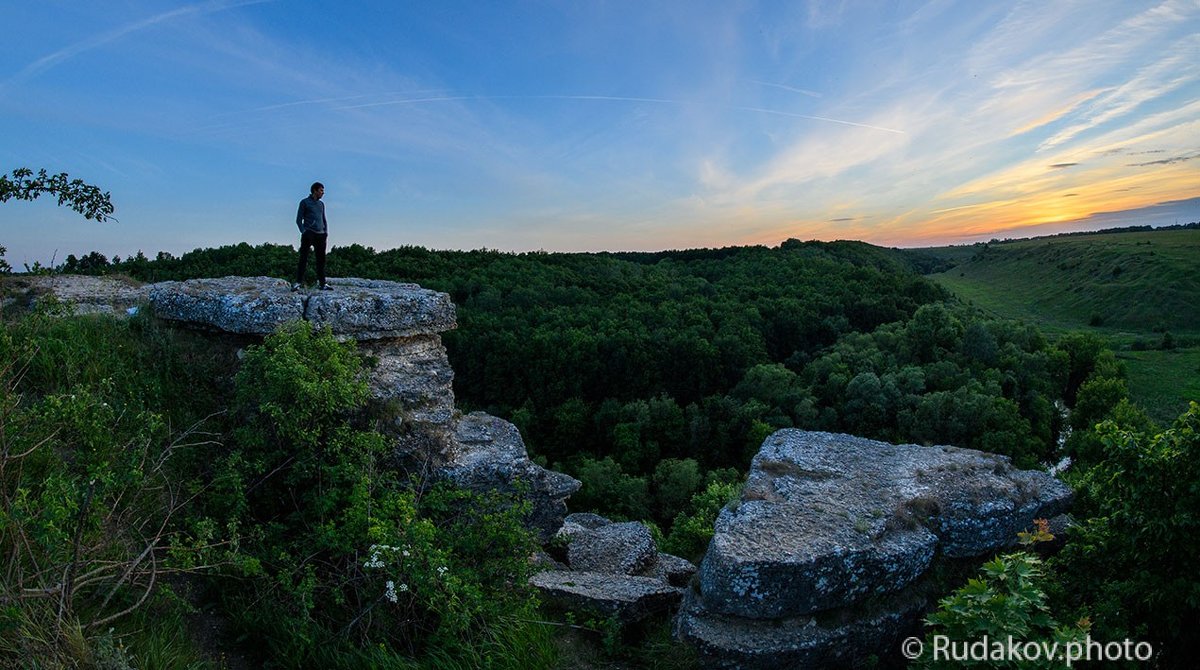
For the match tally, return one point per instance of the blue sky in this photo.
(599, 125)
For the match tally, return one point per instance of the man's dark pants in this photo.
(317, 242)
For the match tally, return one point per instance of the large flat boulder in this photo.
(356, 308)
(828, 520)
(628, 598)
(242, 305)
(368, 309)
(845, 638)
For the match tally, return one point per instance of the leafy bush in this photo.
(93, 501)
(354, 564)
(1132, 561)
(1007, 599)
(693, 528)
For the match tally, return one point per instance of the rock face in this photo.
(357, 308)
(829, 522)
(397, 325)
(488, 454)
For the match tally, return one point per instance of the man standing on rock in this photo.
(310, 219)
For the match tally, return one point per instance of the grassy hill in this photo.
(1137, 282)
(1129, 287)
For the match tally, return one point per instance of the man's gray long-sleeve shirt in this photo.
(310, 218)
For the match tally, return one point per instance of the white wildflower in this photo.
(390, 593)
(442, 570)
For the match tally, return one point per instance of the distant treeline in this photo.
(933, 260)
(1195, 225)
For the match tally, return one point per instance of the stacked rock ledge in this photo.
(398, 326)
(828, 523)
(614, 570)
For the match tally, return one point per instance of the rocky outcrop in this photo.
(829, 523)
(360, 309)
(78, 294)
(621, 548)
(398, 326)
(614, 570)
(602, 594)
(488, 454)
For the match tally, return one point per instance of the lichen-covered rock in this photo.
(355, 308)
(674, 570)
(368, 309)
(579, 523)
(81, 294)
(630, 599)
(587, 520)
(827, 520)
(488, 454)
(414, 373)
(825, 549)
(243, 305)
(619, 548)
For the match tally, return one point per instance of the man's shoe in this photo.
(295, 287)
(326, 287)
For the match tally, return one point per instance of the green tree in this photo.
(84, 198)
(1007, 599)
(1132, 562)
(675, 481)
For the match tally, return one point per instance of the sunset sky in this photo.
(592, 125)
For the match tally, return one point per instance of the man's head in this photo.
(317, 190)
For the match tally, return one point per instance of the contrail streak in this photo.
(46, 62)
(618, 98)
(802, 91)
(820, 118)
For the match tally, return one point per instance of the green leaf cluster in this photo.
(351, 561)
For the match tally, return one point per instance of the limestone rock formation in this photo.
(81, 294)
(620, 548)
(671, 569)
(397, 325)
(615, 570)
(488, 453)
(356, 308)
(628, 598)
(827, 522)
(578, 523)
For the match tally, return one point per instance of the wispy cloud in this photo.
(785, 87)
(1167, 161)
(1180, 67)
(66, 53)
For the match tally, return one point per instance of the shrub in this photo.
(1007, 599)
(693, 528)
(357, 566)
(92, 500)
(1131, 562)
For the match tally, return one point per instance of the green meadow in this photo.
(1139, 290)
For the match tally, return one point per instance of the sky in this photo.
(593, 125)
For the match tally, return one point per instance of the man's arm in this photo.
(300, 217)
